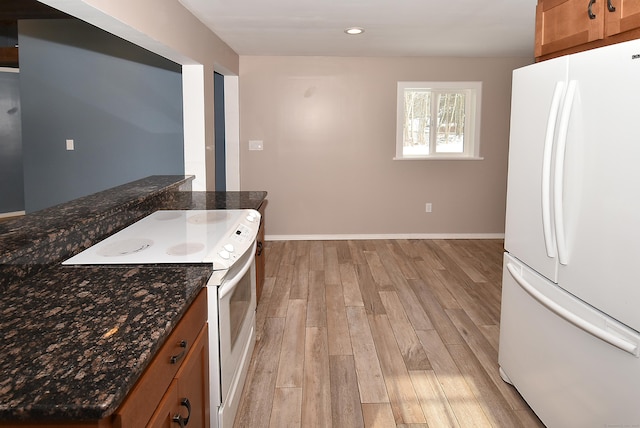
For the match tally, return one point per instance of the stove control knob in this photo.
(251, 218)
(229, 248)
(224, 254)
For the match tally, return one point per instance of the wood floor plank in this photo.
(370, 379)
(331, 267)
(427, 255)
(410, 347)
(398, 258)
(378, 415)
(491, 401)
(356, 248)
(435, 312)
(460, 397)
(316, 302)
(302, 247)
(414, 310)
(350, 286)
(291, 366)
(368, 290)
(316, 397)
(378, 272)
(529, 419)
(461, 258)
(433, 400)
(492, 334)
(287, 408)
(279, 300)
(404, 401)
(469, 296)
(261, 378)
(337, 324)
(344, 252)
(486, 354)
(299, 288)
(440, 290)
(263, 305)
(321, 300)
(273, 253)
(316, 255)
(345, 399)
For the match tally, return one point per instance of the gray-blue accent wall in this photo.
(120, 104)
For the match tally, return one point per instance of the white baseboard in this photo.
(355, 237)
(12, 214)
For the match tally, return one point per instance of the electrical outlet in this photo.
(428, 207)
(70, 145)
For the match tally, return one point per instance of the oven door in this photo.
(236, 315)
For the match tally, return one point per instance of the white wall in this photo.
(329, 126)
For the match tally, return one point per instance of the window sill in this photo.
(439, 158)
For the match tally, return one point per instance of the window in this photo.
(438, 120)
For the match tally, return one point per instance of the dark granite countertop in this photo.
(62, 358)
(77, 338)
(219, 200)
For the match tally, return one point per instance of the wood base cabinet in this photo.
(186, 401)
(569, 26)
(260, 255)
(178, 377)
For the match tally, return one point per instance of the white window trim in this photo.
(472, 127)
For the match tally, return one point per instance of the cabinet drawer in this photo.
(147, 393)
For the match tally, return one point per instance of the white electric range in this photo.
(226, 239)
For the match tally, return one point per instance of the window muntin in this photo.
(438, 120)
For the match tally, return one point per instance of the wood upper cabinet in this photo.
(569, 26)
(624, 17)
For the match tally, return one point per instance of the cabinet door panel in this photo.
(625, 17)
(562, 24)
(168, 407)
(193, 380)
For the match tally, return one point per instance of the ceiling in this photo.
(469, 28)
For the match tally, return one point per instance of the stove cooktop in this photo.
(178, 236)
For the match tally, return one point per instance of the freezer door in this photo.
(536, 107)
(573, 365)
(601, 189)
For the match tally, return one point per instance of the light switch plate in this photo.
(256, 145)
(70, 145)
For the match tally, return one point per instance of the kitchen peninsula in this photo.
(78, 339)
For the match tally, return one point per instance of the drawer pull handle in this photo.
(259, 245)
(590, 11)
(183, 422)
(176, 358)
(610, 6)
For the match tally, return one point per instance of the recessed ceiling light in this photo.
(354, 30)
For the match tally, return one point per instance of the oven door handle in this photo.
(230, 283)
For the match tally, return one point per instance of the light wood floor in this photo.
(384, 333)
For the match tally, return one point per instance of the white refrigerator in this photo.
(570, 316)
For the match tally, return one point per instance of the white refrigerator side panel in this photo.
(533, 93)
(602, 182)
(569, 377)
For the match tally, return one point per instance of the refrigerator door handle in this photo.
(549, 239)
(558, 187)
(570, 317)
